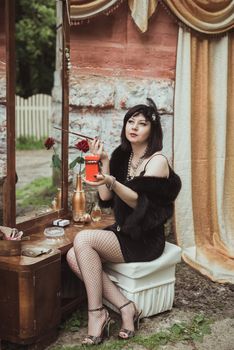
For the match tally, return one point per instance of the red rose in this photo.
(49, 142)
(82, 146)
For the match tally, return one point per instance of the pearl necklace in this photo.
(133, 167)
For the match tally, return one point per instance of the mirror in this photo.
(38, 106)
(37, 102)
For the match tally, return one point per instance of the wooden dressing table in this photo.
(32, 300)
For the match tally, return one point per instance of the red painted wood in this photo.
(114, 46)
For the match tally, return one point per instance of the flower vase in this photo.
(78, 201)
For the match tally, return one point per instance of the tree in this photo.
(35, 46)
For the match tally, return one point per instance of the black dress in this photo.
(142, 249)
(140, 231)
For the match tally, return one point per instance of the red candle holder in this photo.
(91, 167)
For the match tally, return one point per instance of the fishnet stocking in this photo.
(90, 248)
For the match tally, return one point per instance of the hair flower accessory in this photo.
(154, 117)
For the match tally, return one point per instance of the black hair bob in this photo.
(150, 113)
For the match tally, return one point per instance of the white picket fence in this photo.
(33, 116)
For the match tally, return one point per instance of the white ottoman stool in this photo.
(149, 284)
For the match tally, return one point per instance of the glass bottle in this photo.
(59, 198)
(56, 202)
(96, 213)
(78, 201)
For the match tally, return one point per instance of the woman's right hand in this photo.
(97, 147)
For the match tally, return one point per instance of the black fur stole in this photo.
(155, 198)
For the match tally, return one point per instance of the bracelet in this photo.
(111, 186)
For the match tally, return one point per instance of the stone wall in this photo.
(98, 105)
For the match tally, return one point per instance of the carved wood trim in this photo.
(9, 184)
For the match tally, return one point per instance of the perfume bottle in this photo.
(96, 213)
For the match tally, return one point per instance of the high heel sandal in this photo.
(95, 340)
(136, 320)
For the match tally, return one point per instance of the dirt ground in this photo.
(31, 165)
(194, 295)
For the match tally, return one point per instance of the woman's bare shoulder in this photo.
(157, 165)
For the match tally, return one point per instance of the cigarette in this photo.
(76, 133)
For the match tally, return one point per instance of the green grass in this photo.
(29, 143)
(39, 192)
(178, 332)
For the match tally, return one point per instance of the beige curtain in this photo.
(141, 11)
(204, 153)
(211, 17)
(84, 9)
